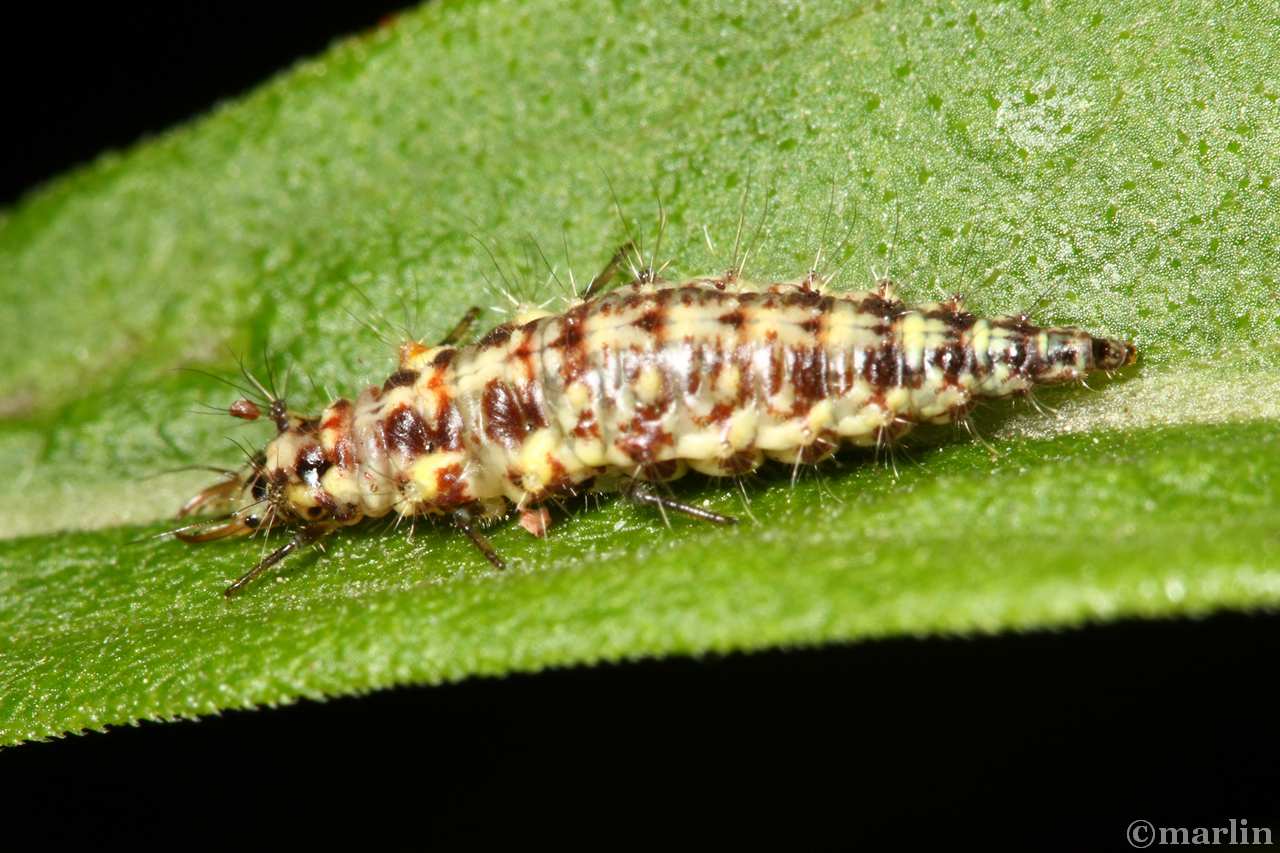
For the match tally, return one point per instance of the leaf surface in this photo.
(1107, 165)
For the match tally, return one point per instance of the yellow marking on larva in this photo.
(699, 444)
(743, 427)
(590, 451)
(788, 434)
(406, 395)
(784, 324)
(529, 313)
(864, 423)
(980, 339)
(911, 331)
(343, 485)
(300, 495)
(424, 475)
(897, 399)
(728, 383)
(649, 384)
(617, 331)
(821, 416)
(535, 459)
(693, 322)
(473, 374)
(579, 396)
(848, 328)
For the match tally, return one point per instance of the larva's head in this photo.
(1068, 354)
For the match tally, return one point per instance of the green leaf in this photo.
(1105, 163)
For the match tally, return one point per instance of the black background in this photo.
(1050, 740)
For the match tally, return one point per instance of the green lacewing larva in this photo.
(626, 388)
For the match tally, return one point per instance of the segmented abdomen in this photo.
(647, 380)
(654, 379)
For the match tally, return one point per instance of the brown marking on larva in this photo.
(957, 321)
(400, 379)
(503, 420)
(444, 358)
(246, 410)
(715, 363)
(641, 438)
(1019, 324)
(806, 367)
(572, 344)
(339, 414)
(497, 336)
(693, 375)
(661, 471)
(407, 433)
(734, 319)
(587, 426)
(446, 432)
(310, 465)
(339, 422)
(800, 297)
(451, 487)
(777, 367)
(559, 474)
(882, 366)
(344, 453)
(1016, 355)
(743, 357)
(876, 304)
(308, 426)
(719, 413)
(742, 462)
(952, 359)
(821, 448)
(524, 352)
(528, 397)
(652, 322)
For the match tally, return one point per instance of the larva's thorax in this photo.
(651, 380)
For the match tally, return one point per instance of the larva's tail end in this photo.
(1113, 354)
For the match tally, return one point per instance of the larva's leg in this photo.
(464, 520)
(459, 332)
(641, 494)
(303, 538)
(610, 271)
